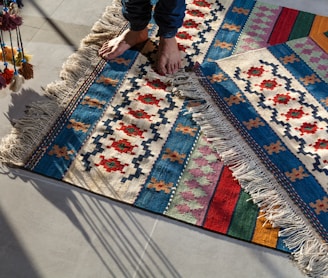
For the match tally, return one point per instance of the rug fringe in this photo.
(27, 132)
(309, 251)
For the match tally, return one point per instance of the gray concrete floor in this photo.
(49, 229)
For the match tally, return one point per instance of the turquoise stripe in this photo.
(282, 246)
(300, 69)
(72, 140)
(264, 134)
(227, 36)
(166, 170)
(299, 191)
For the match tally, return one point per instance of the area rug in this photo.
(267, 117)
(120, 130)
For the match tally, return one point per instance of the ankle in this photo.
(171, 39)
(140, 33)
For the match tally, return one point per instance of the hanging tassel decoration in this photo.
(19, 3)
(8, 75)
(18, 80)
(16, 83)
(6, 53)
(9, 21)
(26, 69)
(14, 7)
(20, 58)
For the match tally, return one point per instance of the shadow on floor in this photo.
(14, 261)
(55, 27)
(116, 236)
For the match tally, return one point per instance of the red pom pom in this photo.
(8, 75)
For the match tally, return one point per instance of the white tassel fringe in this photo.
(311, 253)
(29, 131)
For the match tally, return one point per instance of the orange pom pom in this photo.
(7, 54)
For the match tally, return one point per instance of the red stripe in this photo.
(283, 27)
(223, 203)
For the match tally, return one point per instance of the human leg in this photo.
(138, 13)
(169, 15)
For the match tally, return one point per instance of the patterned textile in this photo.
(117, 130)
(267, 117)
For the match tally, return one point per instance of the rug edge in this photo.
(27, 132)
(310, 253)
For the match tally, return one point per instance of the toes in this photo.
(168, 68)
(161, 69)
(172, 68)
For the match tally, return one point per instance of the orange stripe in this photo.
(319, 27)
(264, 233)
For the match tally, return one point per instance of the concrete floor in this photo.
(49, 229)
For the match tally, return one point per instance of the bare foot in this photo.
(117, 46)
(169, 58)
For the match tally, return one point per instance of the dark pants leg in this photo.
(137, 12)
(169, 15)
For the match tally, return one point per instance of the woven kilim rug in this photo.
(205, 146)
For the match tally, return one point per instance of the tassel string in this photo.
(2, 42)
(20, 43)
(12, 52)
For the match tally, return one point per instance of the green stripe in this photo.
(302, 26)
(244, 218)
